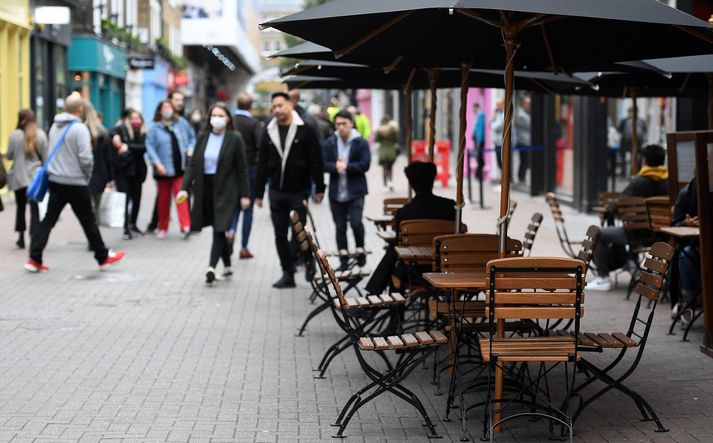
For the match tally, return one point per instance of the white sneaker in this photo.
(161, 235)
(599, 284)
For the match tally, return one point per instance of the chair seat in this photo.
(404, 341)
(344, 253)
(345, 275)
(602, 339)
(529, 349)
(372, 301)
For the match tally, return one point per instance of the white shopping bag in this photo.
(111, 209)
(42, 205)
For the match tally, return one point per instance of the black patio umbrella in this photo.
(537, 35)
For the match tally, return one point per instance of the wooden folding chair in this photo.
(393, 204)
(634, 217)
(659, 210)
(350, 277)
(531, 233)
(648, 286)
(535, 288)
(560, 228)
(412, 349)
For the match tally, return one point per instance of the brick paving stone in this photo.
(147, 352)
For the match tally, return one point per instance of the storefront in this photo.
(154, 87)
(97, 71)
(48, 64)
(15, 33)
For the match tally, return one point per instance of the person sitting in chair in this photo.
(652, 181)
(424, 205)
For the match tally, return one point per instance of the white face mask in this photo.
(196, 118)
(167, 115)
(218, 123)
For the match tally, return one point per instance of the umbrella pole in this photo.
(634, 133)
(408, 91)
(464, 70)
(433, 82)
(510, 43)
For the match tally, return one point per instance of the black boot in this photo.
(286, 281)
(127, 234)
(21, 241)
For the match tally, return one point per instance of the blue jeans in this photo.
(689, 262)
(351, 212)
(247, 213)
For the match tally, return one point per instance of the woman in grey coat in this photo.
(27, 148)
(218, 179)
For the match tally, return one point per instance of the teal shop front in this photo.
(97, 71)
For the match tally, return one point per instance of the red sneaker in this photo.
(111, 258)
(35, 267)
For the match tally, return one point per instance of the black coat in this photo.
(102, 169)
(426, 206)
(646, 187)
(229, 185)
(129, 166)
(304, 163)
(252, 130)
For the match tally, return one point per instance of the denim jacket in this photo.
(158, 146)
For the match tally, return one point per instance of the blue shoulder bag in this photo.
(38, 188)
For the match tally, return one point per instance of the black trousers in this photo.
(524, 165)
(133, 201)
(20, 203)
(281, 203)
(78, 198)
(351, 212)
(220, 247)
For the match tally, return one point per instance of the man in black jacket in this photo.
(251, 129)
(423, 205)
(290, 158)
(652, 181)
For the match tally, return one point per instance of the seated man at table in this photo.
(424, 205)
(686, 267)
(652, 181)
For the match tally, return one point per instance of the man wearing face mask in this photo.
(291, 159)
(346, 159)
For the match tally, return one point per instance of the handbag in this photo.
(38, 188)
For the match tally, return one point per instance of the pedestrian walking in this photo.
(497, 123)
(185, 133)
(27, 148)
(626, 130)
(217, 177)
(166, 149)
(251, 130)
(130, 169)
(347, 158)
(522, 135)
(479, 140)
(103, 169)
(308, 118)
(361, 122)
(291, 158)
(197, 120)
(69, 173)
(387, 136)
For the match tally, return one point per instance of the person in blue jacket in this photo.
(346, 159)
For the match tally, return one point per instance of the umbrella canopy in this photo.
(338, 75)
(554, 33)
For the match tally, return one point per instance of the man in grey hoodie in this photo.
(69, 173)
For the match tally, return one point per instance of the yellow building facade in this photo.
(15, 32)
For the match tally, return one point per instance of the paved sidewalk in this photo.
(147, 352)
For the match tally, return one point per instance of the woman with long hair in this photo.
(102, 170)
(217, 176)
(27, 148)
(130, 170)
(387, 135)
(166, 149)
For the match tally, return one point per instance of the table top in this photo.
(456, 280)
(682, 231)
(380, 218)
(415, 253)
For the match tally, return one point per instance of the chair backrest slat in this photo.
(659, 211)
(393, 204)
(299, 233)
(531, 233)
(420, 232)
(535, 288)
(469, 252)
(589, 244)
(651, 277)
(633, 213)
